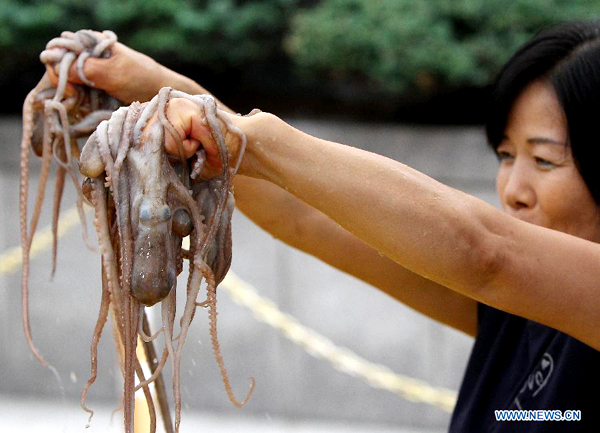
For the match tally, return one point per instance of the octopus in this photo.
(52, 122)
(146, 202)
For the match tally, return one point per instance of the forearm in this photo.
(303, 227)
(129, 76)
(437, 232)
(419, 223)
(292, 221)
(273, 209)
(170, 78)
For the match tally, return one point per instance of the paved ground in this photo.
(32, 416)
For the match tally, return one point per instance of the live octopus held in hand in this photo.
(53, 119)
(145, 204)
(145, 201)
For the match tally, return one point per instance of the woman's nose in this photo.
(518, 191)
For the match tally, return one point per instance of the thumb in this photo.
(53, 78)
(91, 71)
(188, 121)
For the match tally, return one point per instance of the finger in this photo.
(73, 76)
(188, 120)
(190, 146)
(70, 89)
(200, 131)
(73, 73)
(179, 115)
(91, 70)
(52, 76)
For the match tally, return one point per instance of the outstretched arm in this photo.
(433, 230)
(129, 75)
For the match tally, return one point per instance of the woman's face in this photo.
(537, 180)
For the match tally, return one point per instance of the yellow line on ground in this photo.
(11, 259)
(341, 358)
(265, 310)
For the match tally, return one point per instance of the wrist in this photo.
(169, 78)
(259, 130)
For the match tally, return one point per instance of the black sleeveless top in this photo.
(520, 364)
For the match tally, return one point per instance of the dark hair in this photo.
(569, 58)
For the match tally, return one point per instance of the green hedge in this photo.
(397, 44)
(210, 33)
(392, 45)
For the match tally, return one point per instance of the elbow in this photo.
(487, 260)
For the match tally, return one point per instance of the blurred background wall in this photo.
(406, 79)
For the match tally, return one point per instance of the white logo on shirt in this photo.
(538, 379)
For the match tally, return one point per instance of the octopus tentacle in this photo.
(130, 305)
(66, 137)
(53, 55)
(79, 204)
(157, 372)
(159, 385)
(167, 314)
(199, 164)
(46, 100)
(131, 308)
(63, 74)
(163, 97)
(87, 37)
(126, 132)
(144, 117)
(64, 148)
(200, 267)
(102, 45)
(212, 315)
(108, 278)
(145, 337)
(28, 124)
(58, 193)
(43, 178)
(107, 251)
(102, 318)
(26, 246)
(80, 60)
(68, 43)
(135, 190)
(147, 395)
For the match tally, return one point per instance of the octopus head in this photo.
(154, 271)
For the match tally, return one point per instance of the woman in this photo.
(524, 282)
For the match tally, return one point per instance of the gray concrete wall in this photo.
(290, 383)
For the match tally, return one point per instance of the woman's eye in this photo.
(544, 163)
(504, 155)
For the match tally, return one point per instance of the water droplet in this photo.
(73, 377)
